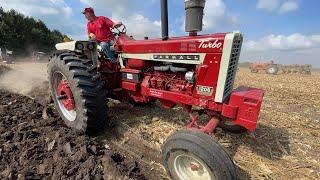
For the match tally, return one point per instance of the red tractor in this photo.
(269, 68)
(196, 72)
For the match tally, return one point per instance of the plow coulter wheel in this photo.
(272, 69)
(77, 92)
(306, 72)
(190, 154)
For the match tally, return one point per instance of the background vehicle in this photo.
(269, 68)
(7, 56)
(38, 56)
(272, 68)
(196, 72)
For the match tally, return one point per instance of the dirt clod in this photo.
(67, 148)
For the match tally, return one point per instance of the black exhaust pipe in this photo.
(164, 19)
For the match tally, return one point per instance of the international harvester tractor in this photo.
(272, 68)
(269, 67)
(196, 72)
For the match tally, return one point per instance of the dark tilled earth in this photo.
(35, 144)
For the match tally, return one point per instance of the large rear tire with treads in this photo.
(78, 92)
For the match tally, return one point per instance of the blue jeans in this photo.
(105, 46)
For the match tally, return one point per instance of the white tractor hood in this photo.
(67, 46)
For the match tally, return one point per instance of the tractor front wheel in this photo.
(77, 92)
(254, 70)
(191, 154)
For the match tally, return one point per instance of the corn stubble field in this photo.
(286, 144)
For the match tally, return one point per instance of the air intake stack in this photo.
(164, 19)
(194, 15)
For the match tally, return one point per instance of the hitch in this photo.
(244, 107)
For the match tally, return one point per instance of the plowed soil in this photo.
(35, 144)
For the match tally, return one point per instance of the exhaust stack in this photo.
(194, 16)
(164, 19)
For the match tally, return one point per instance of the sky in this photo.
(286, 31)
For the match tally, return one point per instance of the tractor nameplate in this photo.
(205, 90)
(209, 43)
(177, 57)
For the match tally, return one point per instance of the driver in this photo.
(99, 29)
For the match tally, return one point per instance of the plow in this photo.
(196, 72)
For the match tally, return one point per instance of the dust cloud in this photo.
(24, 77)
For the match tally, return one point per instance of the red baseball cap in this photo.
(88, 10)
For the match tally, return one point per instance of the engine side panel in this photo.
(207, 77)
(213, 58)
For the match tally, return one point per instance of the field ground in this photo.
(286, 144)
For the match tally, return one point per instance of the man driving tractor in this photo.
(99, 29)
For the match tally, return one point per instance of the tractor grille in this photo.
(233, 65)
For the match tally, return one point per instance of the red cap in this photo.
(88, 10)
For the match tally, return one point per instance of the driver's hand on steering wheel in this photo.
(92, 36)
(118, 24)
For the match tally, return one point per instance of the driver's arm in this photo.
(116, 25)
(111, 23)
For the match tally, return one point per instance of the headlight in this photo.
(190, 77)
(79, 46)
(90, 46)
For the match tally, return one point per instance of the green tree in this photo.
(24, 34)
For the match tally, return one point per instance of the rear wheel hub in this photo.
(65, 95)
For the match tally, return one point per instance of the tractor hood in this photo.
(77, 45)
(67, 46)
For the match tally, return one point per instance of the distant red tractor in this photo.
(272, 68)
(269, 68)
(196, 72)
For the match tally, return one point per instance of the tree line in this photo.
(23, 34)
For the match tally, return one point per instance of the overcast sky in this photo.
(286, 31)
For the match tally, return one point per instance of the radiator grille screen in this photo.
(233, 65)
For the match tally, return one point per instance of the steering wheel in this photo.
(122, 29)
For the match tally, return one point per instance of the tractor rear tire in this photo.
(90, 101)
(272, 69)
(232, 128)
(191, 154)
